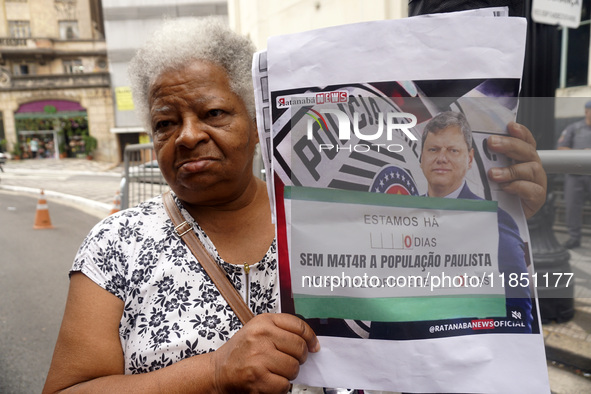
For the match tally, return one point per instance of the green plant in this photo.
(34, 124)
(3, 144)
(90, 144)
(16, 150)
(74, 126)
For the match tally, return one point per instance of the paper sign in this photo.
(123, 98)
(557, 12)
(344, 113)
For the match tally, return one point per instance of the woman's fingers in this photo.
(526, 178)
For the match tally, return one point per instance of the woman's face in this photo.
(203, 136)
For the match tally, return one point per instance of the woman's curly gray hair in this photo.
(177, 43)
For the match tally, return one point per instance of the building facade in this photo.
(261, 19)
(55, 96)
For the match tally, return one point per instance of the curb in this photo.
(565, 342)
(573, 360)
(21, 171)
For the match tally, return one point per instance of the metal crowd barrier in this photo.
(566, 161)
(556, 163)
(142, 178)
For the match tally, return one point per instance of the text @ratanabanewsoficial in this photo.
(440, 280)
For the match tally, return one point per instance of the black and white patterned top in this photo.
(172, 309)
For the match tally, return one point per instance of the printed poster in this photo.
(408, 291)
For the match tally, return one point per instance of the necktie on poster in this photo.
(407, 292)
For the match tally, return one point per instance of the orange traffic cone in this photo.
(42, 219)
(116, 204)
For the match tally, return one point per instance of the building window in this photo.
(68, 30)
(574, 59)
(73, 66)
(22, 69)
(101, 63)
(19, 29)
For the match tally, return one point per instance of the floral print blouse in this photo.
(172, 310)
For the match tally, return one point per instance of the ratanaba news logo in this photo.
(340, 96)
(388, 122)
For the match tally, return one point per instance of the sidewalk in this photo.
(87, 184)
(568, 345)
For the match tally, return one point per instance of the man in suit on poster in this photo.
(446, 156)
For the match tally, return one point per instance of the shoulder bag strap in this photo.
(215, 272)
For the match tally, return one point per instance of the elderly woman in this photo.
(142, 315)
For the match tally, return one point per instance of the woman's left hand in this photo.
(526, 177)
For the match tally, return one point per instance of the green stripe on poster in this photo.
(399, 309)
(387, 200)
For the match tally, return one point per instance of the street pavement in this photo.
(80, 192)
(34, 267)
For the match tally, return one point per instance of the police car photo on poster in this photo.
(393, 245)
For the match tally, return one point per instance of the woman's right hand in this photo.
(264, 355)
